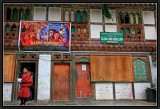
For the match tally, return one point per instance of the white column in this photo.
(44, 72)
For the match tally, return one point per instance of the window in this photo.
(78, 29)
(127, 31)
(122, 30)
(140, 70)
(67, 16)
(131, 18)
(8, 28)
(72, 29)
(72, 16)
(137, 18)
(13, 27)
(8, 16)
(84, 17)
(78, 16)
(27, 14)
(126, 18)
(84, 30)
(21, 12)
(15, 12)
(121, 18)
(138, 31)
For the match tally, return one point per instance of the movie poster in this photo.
(44, 36)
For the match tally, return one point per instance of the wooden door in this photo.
(8, 67)
(83, 84)
(61, 88)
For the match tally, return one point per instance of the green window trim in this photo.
(15, 13)
(78, 16)
(84, 16)
(8, 28)
(21, 14)
(27, 14)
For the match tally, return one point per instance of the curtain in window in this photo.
(78, 29)
(8, 28)
(84, 16)
(137, 18)
(27, 14)
(15, 12)
(67, 16)
(72, 29)
(127, 31)
(140, 72)
(122, 30)
(21, 12)
(78, 16)
(72, 16)
(121, 18)
(8, 16)
(131, 18)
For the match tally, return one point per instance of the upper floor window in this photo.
(21, 12)
(78, 16)
(129, 18)
(72, 16)
(27, 14)
(67, 16)
(15, 12)
(8, 16)
(84, 16)
(13, 27)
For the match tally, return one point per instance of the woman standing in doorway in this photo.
(26, 83)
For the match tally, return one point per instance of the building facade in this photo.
(92, 70)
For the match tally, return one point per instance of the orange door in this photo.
(83, 84)
(61, 89)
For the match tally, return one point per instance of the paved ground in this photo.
(83, 103)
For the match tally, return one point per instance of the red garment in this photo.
(24, 91)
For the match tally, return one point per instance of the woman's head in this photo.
(25, 70)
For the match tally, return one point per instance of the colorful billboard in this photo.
(44, 36)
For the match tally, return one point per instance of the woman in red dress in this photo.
(24, 91)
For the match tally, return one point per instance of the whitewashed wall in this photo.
(139, 89)
(7, 91)
(113, 13)
(44, 71)
(148, 17)
(54, 14)
(96, 15)
(150, 32)
(104, 91)
(110, 28)
(95, 31)
(153, 72)
(39, 13)
(123, 91)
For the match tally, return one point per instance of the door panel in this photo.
(61, 88)
(83, 84)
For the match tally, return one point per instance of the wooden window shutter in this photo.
(8, 67)
(113, 68)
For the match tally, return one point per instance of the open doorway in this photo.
(32, 68)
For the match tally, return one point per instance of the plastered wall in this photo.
(54, 14)
(139, 89)
(44, 69)
(7, 91)
(123, 91)
(104, 91)
(39, 13)
(96, 15)
(95, 31)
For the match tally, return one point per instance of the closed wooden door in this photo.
(61, 88)
(83, 84)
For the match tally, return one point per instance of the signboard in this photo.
(44, 36)
(83, 67)
(111, 38)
